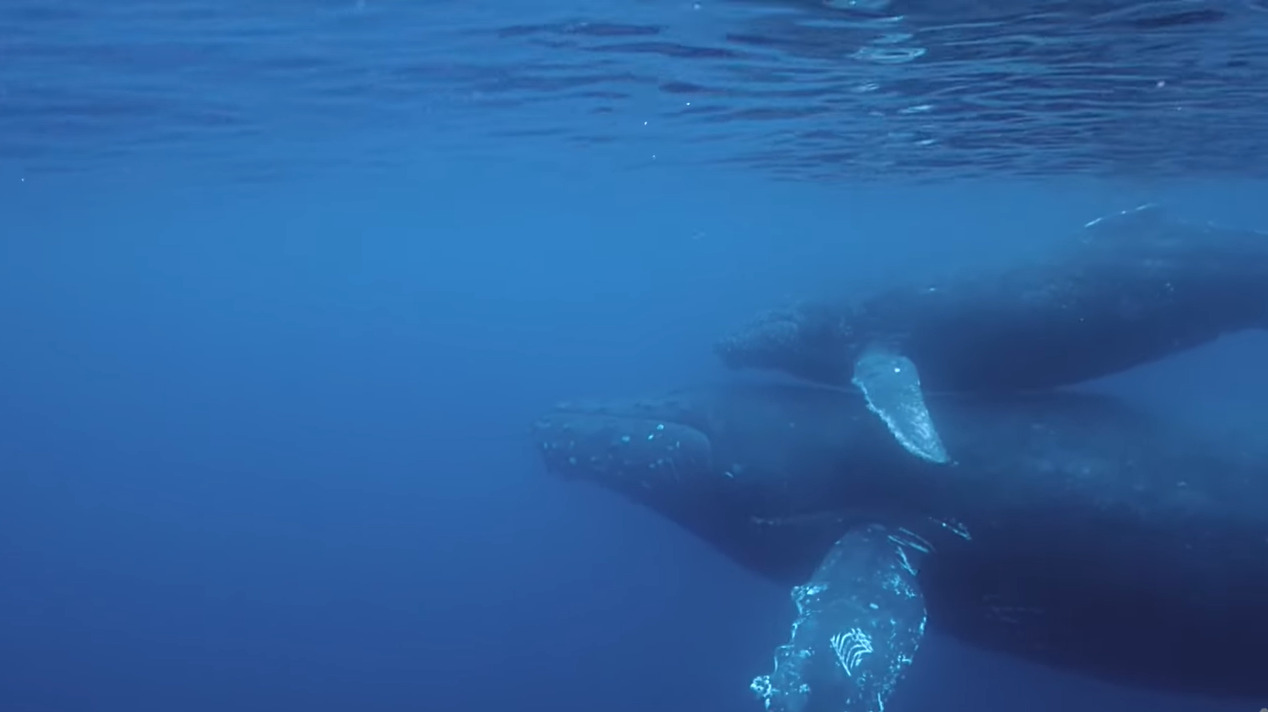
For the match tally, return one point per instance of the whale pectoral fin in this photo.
(860, 619)
(891, 385)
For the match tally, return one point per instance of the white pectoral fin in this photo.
(860, 622)
(891, 386)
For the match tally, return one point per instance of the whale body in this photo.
(1072, 531)
(1124, 290)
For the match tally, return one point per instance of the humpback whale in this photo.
(1079, 533)
(1127, 289)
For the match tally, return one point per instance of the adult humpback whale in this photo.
(1128, 289)
(1078, 533)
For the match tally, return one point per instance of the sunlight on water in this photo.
(805, 90)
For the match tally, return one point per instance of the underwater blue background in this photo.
(264, 397)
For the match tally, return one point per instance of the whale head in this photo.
(754, 471)
(808, 341)
(654, 451)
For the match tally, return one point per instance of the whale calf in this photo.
(1126, 289)
(1077, 533)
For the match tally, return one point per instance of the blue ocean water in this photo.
(282, 287)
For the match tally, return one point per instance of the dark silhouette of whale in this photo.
(1076, 532)
(1127, 289)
